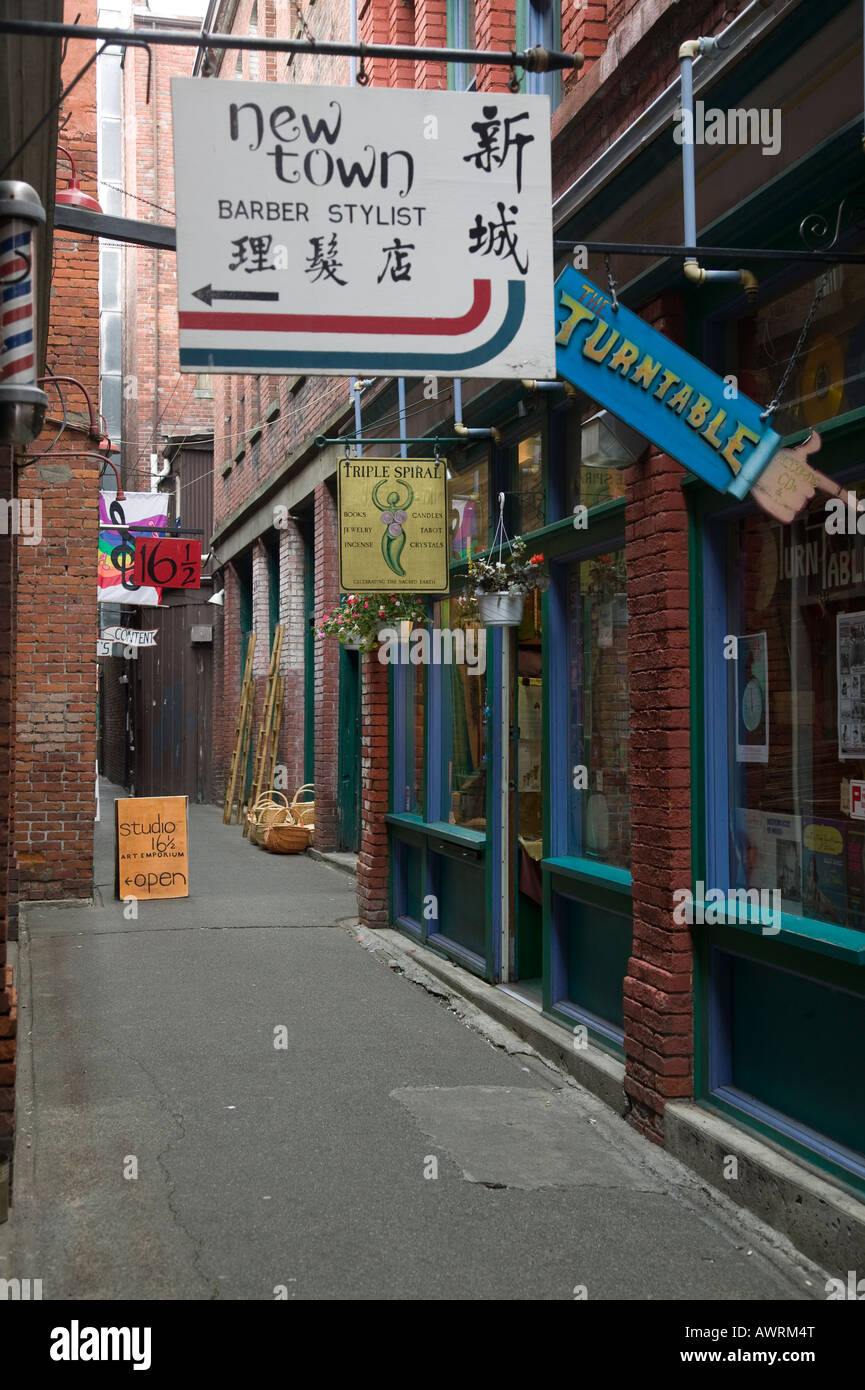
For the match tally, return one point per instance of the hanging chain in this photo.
(362, 74)
(614, 298)
(514, 81)
(819, 291)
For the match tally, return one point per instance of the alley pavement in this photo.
(387, 1150)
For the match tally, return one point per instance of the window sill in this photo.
(823, 938)
(590, 871)
(226, 469)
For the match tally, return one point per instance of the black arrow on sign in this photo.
(208, 294)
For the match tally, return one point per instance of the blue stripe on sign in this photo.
(450, 363)
(16, 291)
(18, 340)
(12, 241)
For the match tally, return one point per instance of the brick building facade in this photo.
(574, 904)
(56, 630)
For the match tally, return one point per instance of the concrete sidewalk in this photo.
(386, 1151)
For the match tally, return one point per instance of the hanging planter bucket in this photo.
(500, 610)
(353, 644)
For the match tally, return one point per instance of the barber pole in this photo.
(22, 403)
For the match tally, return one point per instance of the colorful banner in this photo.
(115, 582)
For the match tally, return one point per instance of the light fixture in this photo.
(73, 195)
(218, 598)
(607, 442)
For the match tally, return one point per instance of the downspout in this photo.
(697, 274)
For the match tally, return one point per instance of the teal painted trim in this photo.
(456, 834)
(583, 879)
(606, 875)
(520, 42)
(698, 787)
(782, 955)
(451, 40)
(404, 821)
(547, 928)
(823, 938)
(568, 1015)
(845, 1179)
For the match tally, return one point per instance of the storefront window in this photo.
(415, 691)
(796, 714)
(599, 824)
(585, 484)
(468, 503)
(530, 484)
(463, 721)
(829, 377)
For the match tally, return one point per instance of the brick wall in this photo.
(292, 616)
(57, 628)
(8, 995)
(372, 863)
(326, 672)
(658, 989)
(158, 401)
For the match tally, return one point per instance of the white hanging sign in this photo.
(339, 230)
(131, 636)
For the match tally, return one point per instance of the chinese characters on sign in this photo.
(352, 230)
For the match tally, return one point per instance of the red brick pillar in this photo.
(292, 615)
(658, 987)
(228, 659)
(495, 28)
(401, 30)
(326, 672)
(372, 863)
(431, 32)
(585, 29)
(8, 1004)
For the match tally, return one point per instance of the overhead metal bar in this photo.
(536, 59)
(726, 253)
(155, 234)
(352, 440)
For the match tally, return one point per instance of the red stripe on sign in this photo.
(22, 311)
(344, 323)
(17, 263)
(17, 366)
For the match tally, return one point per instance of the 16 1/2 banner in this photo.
(337, 230)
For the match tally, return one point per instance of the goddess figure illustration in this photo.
(394, 510)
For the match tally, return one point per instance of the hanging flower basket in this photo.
(499, 583)
(359, 619)
(500, 610)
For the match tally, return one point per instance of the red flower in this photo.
(536, 559)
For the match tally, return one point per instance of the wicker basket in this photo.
(303, 812)
(267, 811)
(286, 838)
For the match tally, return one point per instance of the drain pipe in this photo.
(462, 430)
(697, 274)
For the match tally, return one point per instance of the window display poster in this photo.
(856, 877)
(769, 851)
(824, 871)
(851, 685)
(752, 702)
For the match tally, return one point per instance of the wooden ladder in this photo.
(263, 747)
(241, 736)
